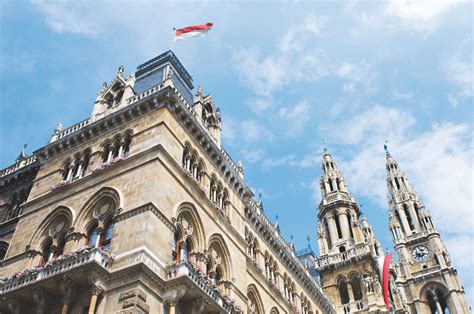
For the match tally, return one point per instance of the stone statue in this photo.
(321, 232)
(121, 69)
(368, 283)
(59, 127)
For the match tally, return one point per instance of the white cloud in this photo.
(281, 161)
(361, 74)
(295, 118)
(295, 59)
(399, 95)
(61, 18)
(419, 15)
(253, 131)
(461, 72)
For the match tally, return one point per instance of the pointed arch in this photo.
(90, 210)
(255, 305)
(219, 254)
(54, 224)
(186, 213)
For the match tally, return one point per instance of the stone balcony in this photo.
(64, 263)
(219, 303)
(355, 306)
(339, 259)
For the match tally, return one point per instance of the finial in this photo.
(121, 69)
(385, 147)
(277, 226)
(292, 244)
(308, 239)
(199, 91)
(325, 149)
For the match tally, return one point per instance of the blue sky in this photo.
(286, 76)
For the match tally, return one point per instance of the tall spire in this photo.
(408, 214)
(331, 180)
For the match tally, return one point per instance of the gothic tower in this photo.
(427, 275)
(348, 248)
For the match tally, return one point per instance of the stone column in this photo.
(120, 152)
(95, 291)
(173, 304)
(66, 286)
(344, 223)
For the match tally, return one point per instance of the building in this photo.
(427, 277)
(349, 251)
(139, 209)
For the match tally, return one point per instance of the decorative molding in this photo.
(141, 209)
(19, 257)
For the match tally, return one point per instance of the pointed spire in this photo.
(308, 240)
(292, 243)
(277, 226)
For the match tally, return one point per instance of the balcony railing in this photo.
(21, 164)
(426, 271)
(183, 269)
(355, 306)
(56, 266)
(359, 251)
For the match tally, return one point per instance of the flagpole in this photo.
(172, 39)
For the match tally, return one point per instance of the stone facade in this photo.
(139, 209)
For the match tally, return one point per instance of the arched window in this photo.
(349, 219)
(107, 238)
(330, 184)
(397, 183)
(328, 237)
(338, 184)
(47, 251)
(338, 226)
(356, 288)
(407, 214)
(92, 236)
(343, 293)
(85, 164)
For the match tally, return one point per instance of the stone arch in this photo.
(356, 285)
(432, 286)
(219, 254)
(342, 289)
(274, 310)
(190, 223)
(90, 210)
(255, 304)
(56, 224)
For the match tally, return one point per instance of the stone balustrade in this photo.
(355, 306)
(357, 252)
(184, 269)
(19, 165)
(336, 197)
(54, 267)
(76, 127)
(426, 271)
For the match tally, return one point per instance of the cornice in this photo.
(144, 208)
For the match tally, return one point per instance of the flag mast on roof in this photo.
(192, 31)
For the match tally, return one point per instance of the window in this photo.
(46, 251)
(356, 288)
(107, 236)
(343, 293)
(92, 236)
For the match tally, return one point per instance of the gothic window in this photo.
(349, 219)
(338, 184)
(338, 226)
(397, 183)
(85, 164)
(92, 236)
(328, 237)
(65, 170)
(106, 153)
(330, 184)
(107, 238)
(407, 214)
(356, 287)
(47, 251)
(126, 148)
(343, 293)
(254, 305)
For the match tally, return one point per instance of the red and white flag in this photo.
(192, 31)
(384, 266)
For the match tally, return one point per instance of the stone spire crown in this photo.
(331, 180)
